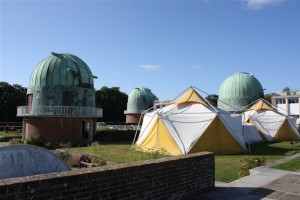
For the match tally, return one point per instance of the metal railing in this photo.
(23, 111)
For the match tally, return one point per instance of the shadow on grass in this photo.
(274, 149)
(270, 148)
(115, 143)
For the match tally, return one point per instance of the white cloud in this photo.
(150, 67)
(258, 4)
(197, 67)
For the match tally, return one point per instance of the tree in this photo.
(11, 96)
(268, 97)
(113, 102)
(286, 89)
(212, 99)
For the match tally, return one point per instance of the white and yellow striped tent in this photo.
(271, 124)
(190, 124)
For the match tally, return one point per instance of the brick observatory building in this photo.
(60, 100)
(139, 100)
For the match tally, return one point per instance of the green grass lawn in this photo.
(226, 165)
(119, 153)
(291, 165)
(5, 137)
(9, 134)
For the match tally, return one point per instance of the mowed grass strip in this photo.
(226, 166)
(9, 134)
(5, 137)
(291, 165)
(118, 153)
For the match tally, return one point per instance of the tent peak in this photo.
(190, 95)
(262, 104)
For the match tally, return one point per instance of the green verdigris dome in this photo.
(61, 80)
(238, 91)
(139, 100)
(63, 70)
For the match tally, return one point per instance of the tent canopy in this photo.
(271, 124)
(190, 124)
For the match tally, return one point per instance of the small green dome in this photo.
(62, 70)
(139, 100)
(238, 91)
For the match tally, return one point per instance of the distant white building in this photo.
(157, 104)
(287, 102)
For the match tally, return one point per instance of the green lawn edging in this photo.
(291, 165)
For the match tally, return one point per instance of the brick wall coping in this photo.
(11, 181)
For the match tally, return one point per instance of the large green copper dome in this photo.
(139, 100)
(61, 80)
(63, 70)
(238, 91)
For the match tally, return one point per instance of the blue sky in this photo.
(166, 46)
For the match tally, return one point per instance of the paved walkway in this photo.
(3, 144)
(263, 183)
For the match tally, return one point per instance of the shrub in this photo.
(50, 146)
(16, 141)
(35, 140)
(95, 144)
(114, 135)
(65, 145)
(99, 160)
(73, 141)
(158, 153)
(96, 157)
(250, 163)
(65, 155)
(152, 153)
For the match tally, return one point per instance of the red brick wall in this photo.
(181, 177)
(132, 118)
(52, 129)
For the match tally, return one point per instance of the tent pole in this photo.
(142, 114)
(245, 132)
(210, 104)
(136, 132)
